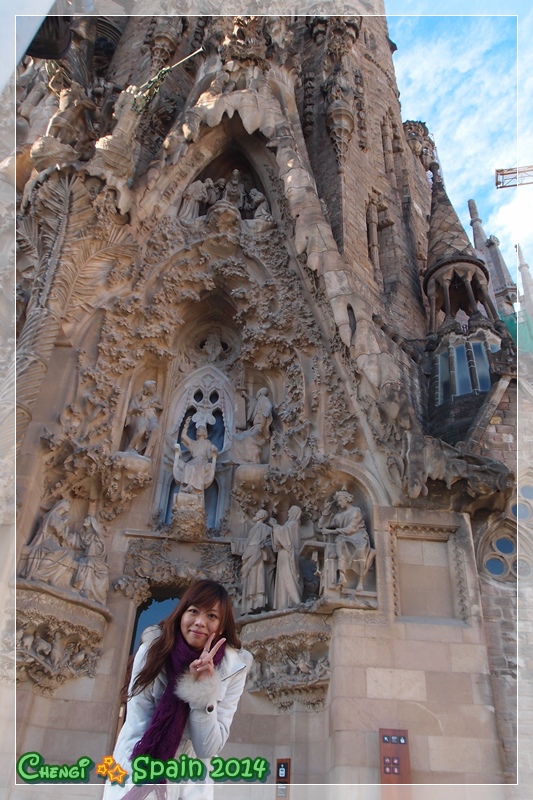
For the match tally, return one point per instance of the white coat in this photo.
(213, 702)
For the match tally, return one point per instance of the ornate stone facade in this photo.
(222, 373)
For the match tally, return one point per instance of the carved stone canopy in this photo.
(458, 284)
(291, 660)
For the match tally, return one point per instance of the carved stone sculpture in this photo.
(257, 566)
(340, 119)
(234, 190)
(193, 195)
(69, 123)
(263, 219)
(114, 154)
(286, 543)
(51, 554)
(143, 419)
(69, 134)
(194, 477)
(352, 543)
(248, 445)
(92, 576)
(213, 345)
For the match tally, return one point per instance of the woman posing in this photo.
(187, 680)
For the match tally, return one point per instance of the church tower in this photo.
(256, 345)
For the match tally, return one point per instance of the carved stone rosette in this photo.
(291, 660)
(58, 636)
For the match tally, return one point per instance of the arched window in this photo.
(463, 368)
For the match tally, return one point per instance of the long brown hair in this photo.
(204, 595)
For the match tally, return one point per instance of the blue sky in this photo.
(458, 74)
(470, 78)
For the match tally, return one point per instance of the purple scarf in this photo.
(163, 735)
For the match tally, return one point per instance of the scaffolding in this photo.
(514, 176)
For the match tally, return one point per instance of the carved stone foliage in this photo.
(153, 562)
(218, 563)
(69, 261)
(291, 660)
(413, 457)
(83, 463)
(342, 34)
(57, 638)
(240, 40)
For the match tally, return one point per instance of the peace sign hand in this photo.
(204, 666)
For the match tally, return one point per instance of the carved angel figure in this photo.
(143, 419)
(248, 445)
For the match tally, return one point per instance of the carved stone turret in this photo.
(456, 279)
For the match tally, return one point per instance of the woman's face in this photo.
(197, 625)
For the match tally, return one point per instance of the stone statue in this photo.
(352, 543)
(175, 145)
(234, 190)
(213, 345)
(257, 566)
(196, 475)
(215, 191)
(193, 195)
(92, 576)
(51, 554)
(248, 445)
(286, 543)
(258, 203)
(143, 419)
(260, 412)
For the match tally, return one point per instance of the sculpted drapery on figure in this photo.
(69, 560)
(92, 575)
(143, 419)
(286, 543)
(234, 190)
(257, 566)
(51, 554)
(197, 474)
(352, 543)
(248, 445)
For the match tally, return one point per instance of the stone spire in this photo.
(456, 278)
(502, 286)
(447, 240)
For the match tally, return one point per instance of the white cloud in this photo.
(458, 75)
